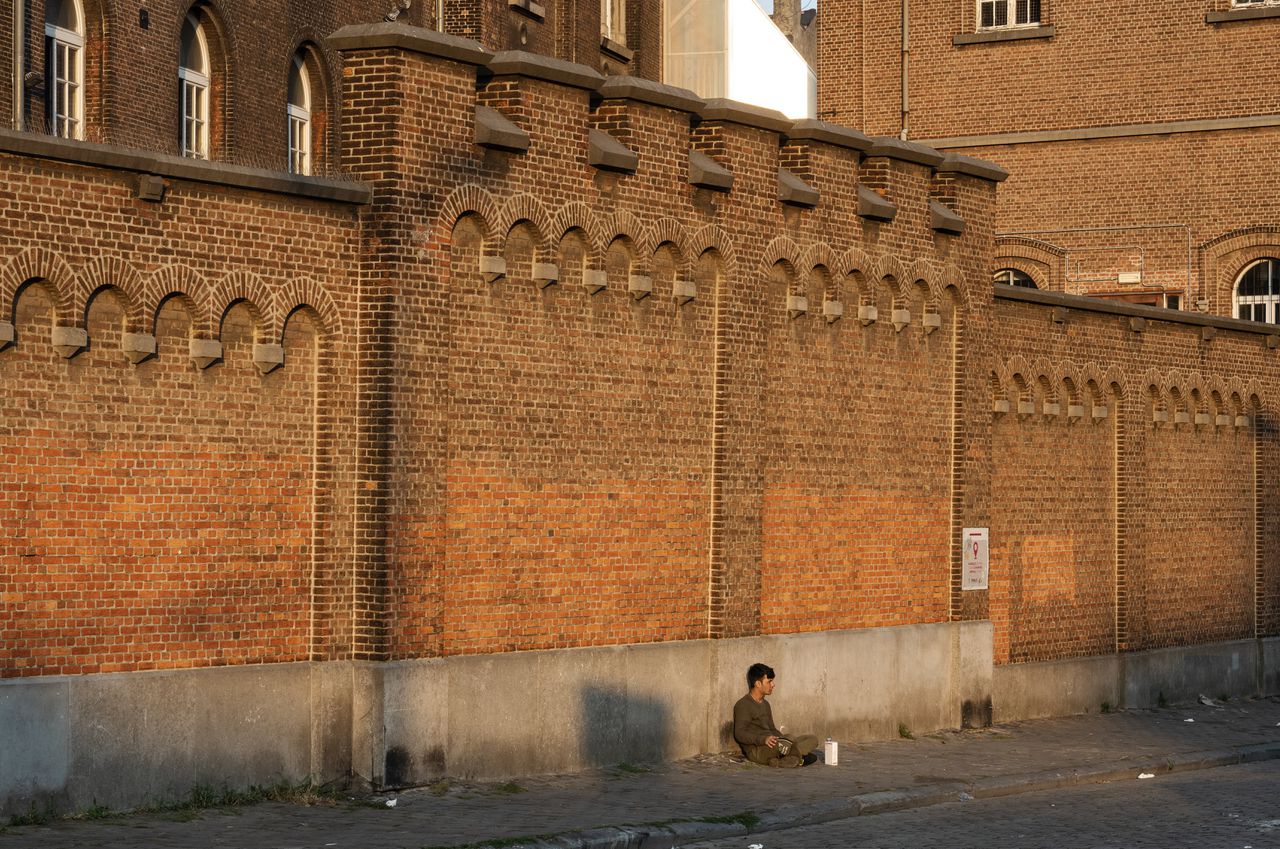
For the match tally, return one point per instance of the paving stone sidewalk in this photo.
(619, 806)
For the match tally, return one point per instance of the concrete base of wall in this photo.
(1137, 680)
(495, 716)
(127, 739)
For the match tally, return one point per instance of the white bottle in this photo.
(831, 755)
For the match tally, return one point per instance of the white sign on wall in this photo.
(976, 560)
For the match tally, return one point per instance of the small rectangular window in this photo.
(997, 14)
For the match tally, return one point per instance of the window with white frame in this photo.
(193, 82)
(64, 67)
(613, 20)
(299, 118)
(1014, 277)
(1243, 3)
(1257, 296)
(999, 14)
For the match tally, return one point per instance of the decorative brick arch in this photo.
(525, 208)
(468, 200)
(711, 237)
(1041, 261)
(670, 231)
(117, 274)
(302, 293)
(250, 289)
(186, 283)
(623, 225)
(576, 216)
(1222, 259)
(781, 249)
(45, 265)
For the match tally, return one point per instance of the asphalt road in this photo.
(1228, 808)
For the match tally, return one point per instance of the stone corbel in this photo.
(1026, 409)
(931, 321)
(832, 311)
(684, 291)
(1100, 412)
(640, 286)
(138, 347)
(7, 334)
(1000, 406)
(1242, 421)
(545, 274)
(868, 313)
(1203, 419)
(69, 341)
(797, 305)
(901, 318)
(1075, 412)
(1181, 417)
(1052, 409)
(268, 358)
(493, 269)
(1160, 416)
(595, 281)
(1222, 420)
(205, 352)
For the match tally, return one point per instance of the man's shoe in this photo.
(810, 759)
(787, 762)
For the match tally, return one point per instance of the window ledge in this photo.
(616, 49)
(1232, 15)
(1012, 34)
(530, 8)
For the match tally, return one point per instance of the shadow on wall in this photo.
(618, 727)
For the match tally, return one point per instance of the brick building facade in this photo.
(311, 465)
(1133, 136)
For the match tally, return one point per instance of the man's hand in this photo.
(771, 741)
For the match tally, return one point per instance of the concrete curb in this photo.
(883, 801)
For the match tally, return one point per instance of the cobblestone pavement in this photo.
(1230, 808)
(455, 812)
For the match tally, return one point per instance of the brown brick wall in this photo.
(1148, 527)
(563, 466)
(1146, 62)
(159, 515)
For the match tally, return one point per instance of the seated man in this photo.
(755, 732)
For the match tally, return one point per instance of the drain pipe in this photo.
(906, 59)
(19, 71)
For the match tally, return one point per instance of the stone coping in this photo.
(521, 63)
(428, 42)
(1084, 303)
(654, 93)
(732, 112)
(183, 168)
(834, 134)
(1111, 131)
(970, 166)
(905, 151)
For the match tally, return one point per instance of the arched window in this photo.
(299, 117)
(1014, 277)
(193, 80)
(64, 67)
(1258, 292)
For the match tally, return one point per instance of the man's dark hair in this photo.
(758, 671)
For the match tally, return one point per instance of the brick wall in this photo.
(1141, 528)
(160, 515)
(563, 464)
(1085, 215)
